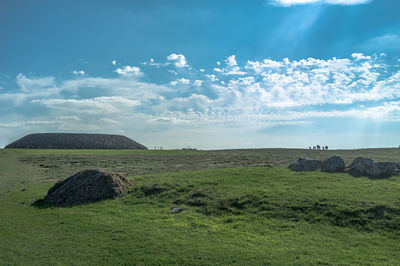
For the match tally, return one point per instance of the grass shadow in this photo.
(45, 204)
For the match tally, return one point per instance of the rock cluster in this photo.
(367, 167)
(359, 167)
(86, 187)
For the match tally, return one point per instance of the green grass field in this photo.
(241, 207)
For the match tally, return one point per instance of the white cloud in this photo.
(178, 59)
(94, 106)
(231, 61)
(287, 3)
(197, 83)
(269, 93)
(360, 56)
(78, 72)
(182, 81)
(129, 71)
(231, 68)
(212, 77)
(153, 63)
(29, 84)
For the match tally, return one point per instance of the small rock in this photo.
(176, 210)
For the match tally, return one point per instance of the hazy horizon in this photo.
(204, 74)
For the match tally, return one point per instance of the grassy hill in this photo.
(237, 209)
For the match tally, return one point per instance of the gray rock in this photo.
(356, 170)
(176, 210)
(86, 187)
(373, 171)
(367, 167)
(305, 164)
(363, 167)
(333, 164)
(387, 169)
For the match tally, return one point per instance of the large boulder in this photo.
(367, 167)
(387, 169)
(333, 164)
(363, 167)
(305, 164)
(86, 187)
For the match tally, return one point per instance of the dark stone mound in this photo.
(305, 164)
(334, 164)
(75, 141)
(86, 187)
(367, 167)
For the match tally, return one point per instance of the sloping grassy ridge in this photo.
(337, 199)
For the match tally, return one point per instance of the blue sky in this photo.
(204, 74)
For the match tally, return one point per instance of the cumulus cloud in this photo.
(153, 63)
(231, 67)
(182, 81)
(78, 72)
(287, 3)
(231, 61)
(129, 71)
(197, 83)
(178, 59)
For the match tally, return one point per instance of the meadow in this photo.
(240, 207)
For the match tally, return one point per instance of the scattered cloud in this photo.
(231, 67)
(266, 93)
(78, 72)
(231, 61)
(129, 71)
(28, 84)
(197, 83)
(178, 59)
(94, 106)
(153, 63)
(182, 81)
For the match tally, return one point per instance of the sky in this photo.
(203, 74)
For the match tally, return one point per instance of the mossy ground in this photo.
(247, 215)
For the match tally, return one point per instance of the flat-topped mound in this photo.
(75, 141)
